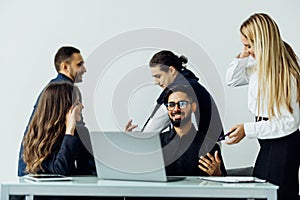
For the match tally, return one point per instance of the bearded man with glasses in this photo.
(182, 142)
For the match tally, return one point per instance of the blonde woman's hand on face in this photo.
(238, 133)
(244, 54)
(247, 50)
(70, 121)
(211, 165)
(129, 126)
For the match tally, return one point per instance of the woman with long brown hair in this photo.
(270, 67)
(52, 144)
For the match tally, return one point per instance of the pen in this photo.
(222, 137)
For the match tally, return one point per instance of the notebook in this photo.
(132, 156)
(233, 179)
(46, 177)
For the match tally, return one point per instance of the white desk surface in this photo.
(91, 186)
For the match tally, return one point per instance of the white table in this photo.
(91, 186)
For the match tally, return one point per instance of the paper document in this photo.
(233, 179)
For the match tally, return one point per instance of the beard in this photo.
(181, 122)
(78, 78)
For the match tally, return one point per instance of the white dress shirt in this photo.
(242, 72)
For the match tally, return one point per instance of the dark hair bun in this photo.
(183, 59)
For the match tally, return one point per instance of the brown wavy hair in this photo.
(47, 127)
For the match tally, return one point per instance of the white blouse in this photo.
(159, 121)
(241, 72)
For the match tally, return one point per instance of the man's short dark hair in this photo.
(64, 54)
(187, 89)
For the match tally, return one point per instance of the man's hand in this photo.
(211, 165)
(129, 126)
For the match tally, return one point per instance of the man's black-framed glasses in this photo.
(181, 104)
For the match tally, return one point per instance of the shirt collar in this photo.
(63, 77)
(191, 132)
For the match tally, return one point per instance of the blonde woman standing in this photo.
(270, 67)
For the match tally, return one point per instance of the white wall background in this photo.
(31, 31)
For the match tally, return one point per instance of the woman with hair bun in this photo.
(169, 70)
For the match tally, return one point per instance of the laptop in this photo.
(127, 156)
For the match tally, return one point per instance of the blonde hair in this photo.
(277, 64)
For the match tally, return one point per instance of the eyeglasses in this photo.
(181, 104)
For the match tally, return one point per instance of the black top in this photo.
(181, 155)
(63, 157)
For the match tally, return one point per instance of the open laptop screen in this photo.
(128, 156)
